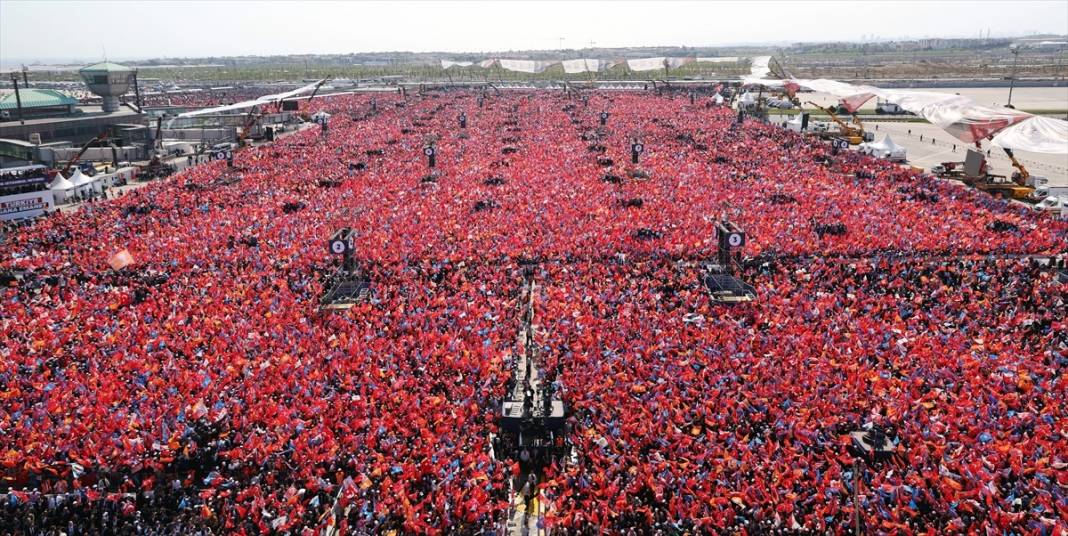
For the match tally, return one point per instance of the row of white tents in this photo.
(79, 184)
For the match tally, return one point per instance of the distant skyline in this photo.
(60, 30)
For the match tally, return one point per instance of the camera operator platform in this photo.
(348, 285)
(532, 418)
(722, 284)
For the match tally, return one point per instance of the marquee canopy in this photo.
(961, 117)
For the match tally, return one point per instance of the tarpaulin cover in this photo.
(1038, 134)
(446, 64)
(959, 116)
(584, 65)
(526, 66)
(652, 64)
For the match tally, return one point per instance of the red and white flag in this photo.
(121, 260)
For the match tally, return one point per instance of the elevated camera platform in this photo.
(725, 288)
(873, 444)
(345, 290)
(348, 285)
(719, 279)
(513, 420)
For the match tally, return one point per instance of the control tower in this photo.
(109, 80)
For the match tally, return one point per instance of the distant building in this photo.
(109, 80)
(37, 103)
(52, 119)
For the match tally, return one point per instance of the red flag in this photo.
(854, 102)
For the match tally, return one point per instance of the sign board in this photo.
(730, 235)
(28, 205)
(973, 163)
(342, 241)
(431, 155)
(636, 149)
(14, 181)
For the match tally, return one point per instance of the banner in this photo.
(12, 180)
(28, 205)
(854, 102)
(526, 66)
(652, 64)
(584, 65)
(726, 59)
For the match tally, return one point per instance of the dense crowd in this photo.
(202, 97)
(201, 390)
(21, 180)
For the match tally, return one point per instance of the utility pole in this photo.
(137, 92)
(856, 497)
(1015, 49)
(18, 97)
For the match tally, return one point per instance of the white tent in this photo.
(884, 149)
(747, 101)
(83, 184)
(795, 123)
(60, 183)
(59, 188)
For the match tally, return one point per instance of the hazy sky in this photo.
(42, 29)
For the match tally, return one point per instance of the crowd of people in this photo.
(201, 389)
(22, 180)
(200, 97)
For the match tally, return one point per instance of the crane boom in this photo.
(842, 126)
(78, 156)
(1024, 174)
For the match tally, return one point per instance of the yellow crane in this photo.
(1022, 176)
(855, 134)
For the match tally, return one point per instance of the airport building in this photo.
(34, 122)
